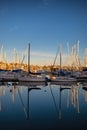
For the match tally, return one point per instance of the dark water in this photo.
(52, 107)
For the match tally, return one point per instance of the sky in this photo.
(45, 24)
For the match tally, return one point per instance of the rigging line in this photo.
(53, 99)
(22, 102)
(56, 56)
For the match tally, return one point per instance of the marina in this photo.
(48, 99)
(60, 75)
(43, 65)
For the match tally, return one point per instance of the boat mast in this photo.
(60, 59)
(68, 63)
(28, 58)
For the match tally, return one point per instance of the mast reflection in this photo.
(28, 99)
(67, 93)
(2, 93)
(73, 92)
(60, 102)
(61, 88)
(26, 110)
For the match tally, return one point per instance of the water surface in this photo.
(50, 107)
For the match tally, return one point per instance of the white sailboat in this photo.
(62, 79)
(31, 77)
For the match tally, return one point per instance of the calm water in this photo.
(50, 107)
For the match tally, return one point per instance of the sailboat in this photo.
(31, 77)
(62, 79)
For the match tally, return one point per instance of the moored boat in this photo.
(63, 80)
(31, 79)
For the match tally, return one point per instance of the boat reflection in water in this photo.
(43, 106)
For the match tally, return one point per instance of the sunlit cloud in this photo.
(42, 54)
(37, 58)
(48, 59)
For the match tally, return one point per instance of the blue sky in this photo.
(44, 24)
